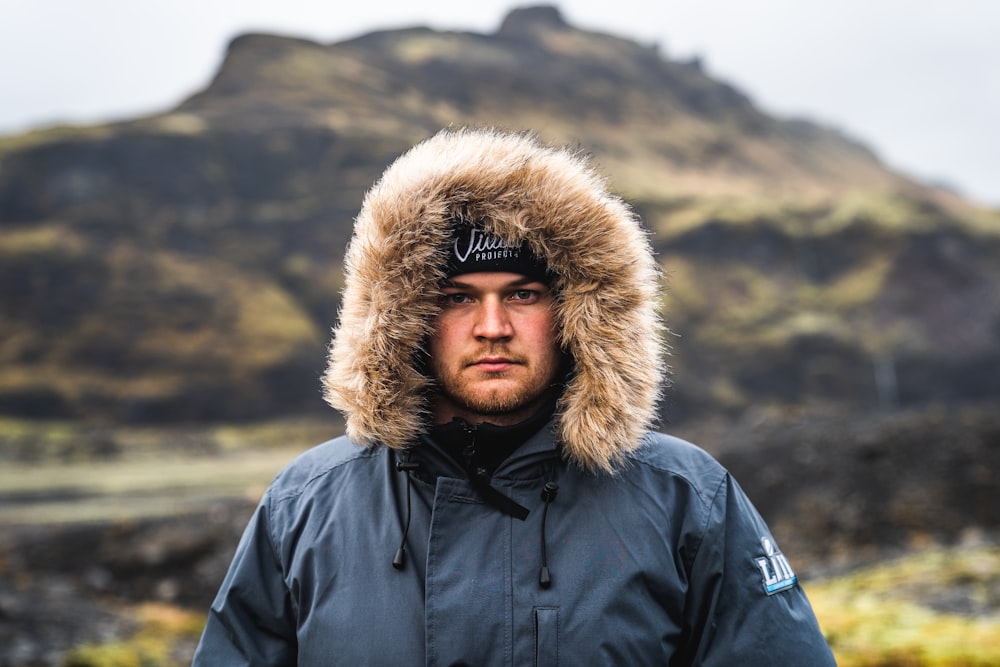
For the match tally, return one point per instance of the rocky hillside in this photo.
(186, 265)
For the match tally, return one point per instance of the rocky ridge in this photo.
(185, 266)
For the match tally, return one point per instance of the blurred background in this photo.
(178, 183)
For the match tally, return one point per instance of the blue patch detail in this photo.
(776, 573)
(781, 585)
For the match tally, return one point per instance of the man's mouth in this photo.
(493, 364)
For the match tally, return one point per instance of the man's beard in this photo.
(492, 402)
(476, 397)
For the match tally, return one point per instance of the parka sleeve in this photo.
(252, 621)
(745, 606)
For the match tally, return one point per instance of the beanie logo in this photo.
(484, 247)
(475, 251)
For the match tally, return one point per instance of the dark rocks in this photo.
(845, 490)
(65, 585)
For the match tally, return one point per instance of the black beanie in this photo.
(475, 251)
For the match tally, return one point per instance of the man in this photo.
(498, 498)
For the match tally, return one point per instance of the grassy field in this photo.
(118, 490)
(52, 474)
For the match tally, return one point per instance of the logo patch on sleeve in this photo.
(774, 568)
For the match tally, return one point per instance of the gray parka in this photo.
(665, 563)
(655, 554)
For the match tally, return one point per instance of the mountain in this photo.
(186, 265)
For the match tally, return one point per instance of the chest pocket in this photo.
(546, 636)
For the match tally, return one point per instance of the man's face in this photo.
(494, 351)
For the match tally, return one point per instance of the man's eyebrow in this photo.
(526, 280)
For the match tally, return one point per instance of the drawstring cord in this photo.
(399, 560)
(549, 492)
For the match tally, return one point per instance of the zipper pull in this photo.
(469, 451)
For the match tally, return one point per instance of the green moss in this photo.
(857, 288)
(983, 222)
(176, 123)
(24, 440)
(881, 616)
(52, 135)
(41, 240)
(162, 630)
(276, 434)
(731, 307)
(883, 212)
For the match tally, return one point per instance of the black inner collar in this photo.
(481, 448)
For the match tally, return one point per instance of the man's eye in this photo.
(524, 295)
(456, 298)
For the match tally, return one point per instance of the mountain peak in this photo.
(526, 20)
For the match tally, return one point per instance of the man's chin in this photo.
(493, 400)
(493, 403)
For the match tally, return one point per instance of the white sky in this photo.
(918, 80)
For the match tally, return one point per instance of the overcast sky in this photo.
(917, 80)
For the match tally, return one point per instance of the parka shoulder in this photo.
(332, 457)
(670, 456)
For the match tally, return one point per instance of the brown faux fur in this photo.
(606, 282)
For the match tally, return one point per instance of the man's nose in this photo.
(492, 320)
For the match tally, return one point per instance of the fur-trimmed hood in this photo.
(605, 279)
